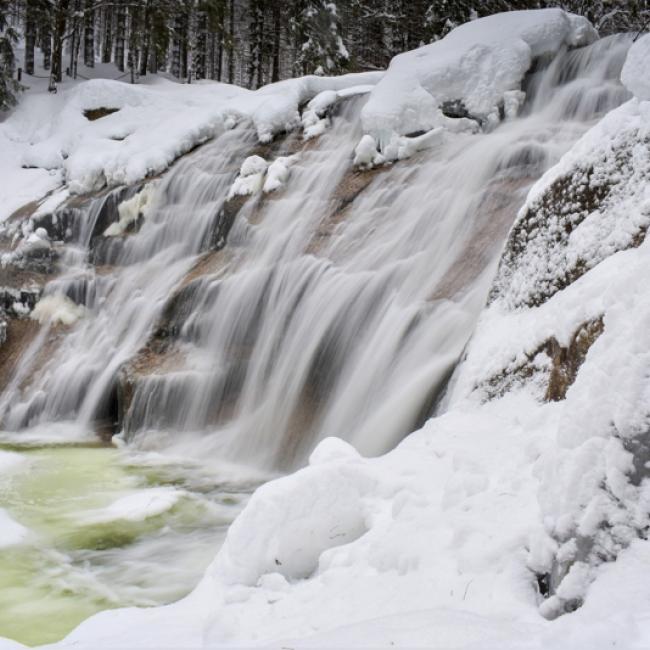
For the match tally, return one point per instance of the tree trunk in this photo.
(56, 75)
(120, 35)
(30, 35)
(146, 25)
(89, 35)
(277, 35)
(107, 36)
(45, 37)
(231, 42)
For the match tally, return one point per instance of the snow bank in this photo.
(635, 75)
(570, 308)
(57, 309)
(47, 141)
(477, 65)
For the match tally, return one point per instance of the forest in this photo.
(246, 42)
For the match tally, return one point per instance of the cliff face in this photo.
(567, 323)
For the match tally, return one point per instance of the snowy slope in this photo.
(47, 142)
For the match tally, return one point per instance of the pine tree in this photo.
(317, 38)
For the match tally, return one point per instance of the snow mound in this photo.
(635, 74)
(139, 506)
(477, 66)
(289, 523)
(57, 309)
(11, 532)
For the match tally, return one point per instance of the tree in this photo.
(320, 47)
(31, 13)
(8, 37)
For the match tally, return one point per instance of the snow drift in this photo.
(479, 66)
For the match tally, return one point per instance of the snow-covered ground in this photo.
(47, 142)
(441, 542)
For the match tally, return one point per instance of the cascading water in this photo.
(326, 313)
(243, 331)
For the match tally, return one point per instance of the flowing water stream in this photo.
(224, 340)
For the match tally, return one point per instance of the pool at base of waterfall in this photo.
(86, 527)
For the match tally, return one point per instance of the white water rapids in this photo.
(338, 306)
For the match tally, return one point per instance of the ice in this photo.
(138, 206)
(57, 308)
(11, 532)
(139, 506)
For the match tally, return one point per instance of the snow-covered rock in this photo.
(277, 173)
(478, 65)
(568, 322)
(636, 75)
(251, 177)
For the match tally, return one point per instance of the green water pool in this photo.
(104, 529)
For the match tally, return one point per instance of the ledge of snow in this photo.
(477, 64)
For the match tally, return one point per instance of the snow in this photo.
(47, 142)
(11, 532)
(251, 177)
(278, 173)
(315, 118)
(481, 64)
(57, 308)
(139, 506)
(256, 175)
(635, 75)
(440, 542)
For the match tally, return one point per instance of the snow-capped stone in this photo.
(278, 173)
(475, 64)
(636, 74)
(251, 177)
(366, 154)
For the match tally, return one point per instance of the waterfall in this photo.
(247, 330)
